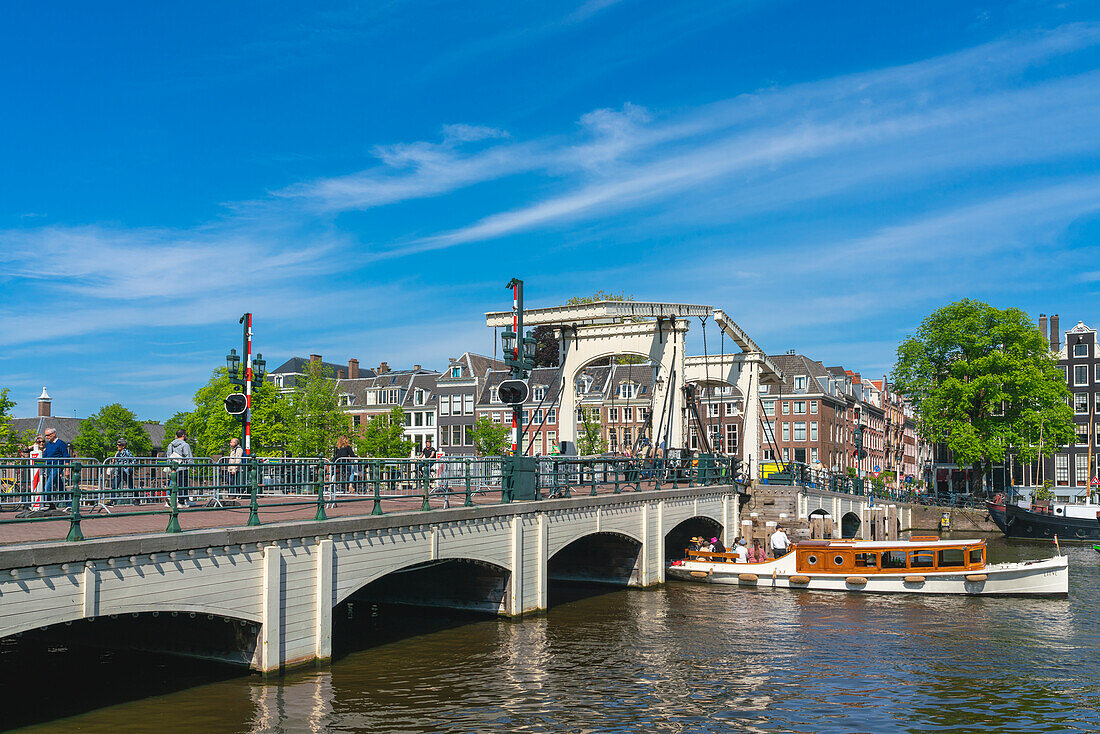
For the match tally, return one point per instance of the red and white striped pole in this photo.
(248, 384)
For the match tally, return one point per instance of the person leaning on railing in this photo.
(55, 453)
(180, 451)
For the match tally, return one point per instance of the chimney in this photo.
(1055, 334)
(44, 401)
(315, 358)
(416, 368)
(339, 374)
(353, 369)
(383, 368)
(1043, 327)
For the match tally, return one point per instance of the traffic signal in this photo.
(512, 392)
(236, 403)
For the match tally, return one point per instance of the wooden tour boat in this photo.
(921, 565)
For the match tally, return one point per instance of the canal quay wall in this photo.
(274, 588)
(807, 512)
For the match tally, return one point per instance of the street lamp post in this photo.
(519, 355)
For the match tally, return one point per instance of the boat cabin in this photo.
(920, 554)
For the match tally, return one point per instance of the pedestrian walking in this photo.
(179, 451)
(234, 461)
(55, 453)
(343, 458)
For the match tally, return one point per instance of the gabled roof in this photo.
(68, 428)
(796, 365)
(298, 365)
(548, 376)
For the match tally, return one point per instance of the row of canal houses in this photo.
(810, 418)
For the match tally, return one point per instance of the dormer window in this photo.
(538, 393)
(584, 384)
(420, 396)
(493, 396)
(456, 372)
(800, 382)
(628, 391)
(763, 389)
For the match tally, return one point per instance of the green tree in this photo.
(10, 439)
(314, 419)
(591, 440)
(384, 436)
(490, 439)
(209, 427)
(984, 382)
(100, 432)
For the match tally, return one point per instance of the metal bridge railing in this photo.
(806, 476)
(78, 490)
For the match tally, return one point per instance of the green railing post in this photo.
(422, 466)
(321, 492)
(616, 465)
(173, 501)
(75, 533)
(656, 472)
(253, 492)
(469, 499)
(592, 467)
(376, 480)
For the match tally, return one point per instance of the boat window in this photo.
(866, 560)
(922, 559)
(838, 560)
(952, 557)
(893, 559)
(811, 559)
(976, 555)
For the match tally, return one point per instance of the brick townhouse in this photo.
(459, 388)
(540, 411)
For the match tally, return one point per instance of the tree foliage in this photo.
(983, 382)
(210, 427)
(100, 432)
(384, 436)
(546, 346)
(313, 416)
(10, 439)
(590, 441)
(490, 439)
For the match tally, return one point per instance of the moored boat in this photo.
(1067, 522)
(921, 565)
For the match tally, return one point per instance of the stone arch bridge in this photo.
(275, 587)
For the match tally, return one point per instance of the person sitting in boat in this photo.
(716, 546)
(742, 551)
(757, 554)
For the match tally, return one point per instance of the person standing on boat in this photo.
(780, 542)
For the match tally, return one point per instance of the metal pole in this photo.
(517, 370)
(247, 428)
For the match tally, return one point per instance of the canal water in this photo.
(684, 658)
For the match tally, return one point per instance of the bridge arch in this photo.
(606, 557)
(362, 575)
(850, 525)
(678, 538)
(139, 606)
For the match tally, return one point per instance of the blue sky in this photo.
(366, 177)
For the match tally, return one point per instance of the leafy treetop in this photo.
(100, 432)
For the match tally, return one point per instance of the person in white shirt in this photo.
(780, 543)
(742, 552)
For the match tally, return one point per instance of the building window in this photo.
(731, 438)
(584, 384)
(418, 419)
(612, 415)
(429, 419)
(763, 389)
(769, 408)
(1081, 462)
(355, 421)
(786, 408)
(799, 407)
(800, 382)
(813, 430)
(787, 431)
(713, 410)
(769, 455)
(1082, 434)
(468, 404)
(1081, 374)
(786, 454)
(813, 456)
(800, 431)
(693, 439)
(468, 432)
(628, 438)
(445, 436)
(628, 391)
(445, 405)
(628, 414)
(1098, 372)
(1081, 403)
(493, 396)
(1061, 470)
(813, 406)
(1081, 350)
(551, 415)
(731, 409)
(537, 416)
(456, 372)
(419, 396)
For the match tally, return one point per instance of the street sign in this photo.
(512, 392)
(236, 403)
(909, 479)
(1096, 481)
(877, 469)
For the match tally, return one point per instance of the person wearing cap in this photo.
(742, 551)
(122, 469)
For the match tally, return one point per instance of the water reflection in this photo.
(688, 658)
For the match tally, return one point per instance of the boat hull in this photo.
(1048, 577)
(1018, 522)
